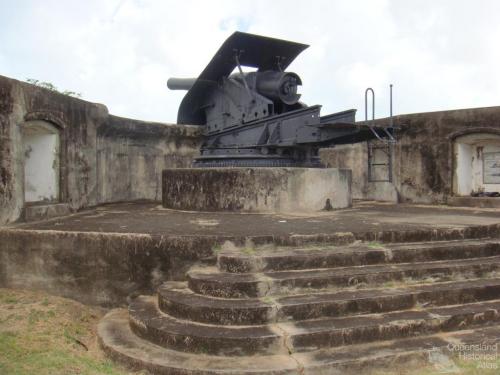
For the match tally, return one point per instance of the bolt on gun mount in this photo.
(256, 118)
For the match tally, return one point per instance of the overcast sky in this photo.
(438, 54)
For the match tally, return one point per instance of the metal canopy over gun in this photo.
(256, 118)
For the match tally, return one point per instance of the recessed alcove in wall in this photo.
(477, 163)
(41, 154)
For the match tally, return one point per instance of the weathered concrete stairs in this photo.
(316, 310)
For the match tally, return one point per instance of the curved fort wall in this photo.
(427, 165)
(102, 158)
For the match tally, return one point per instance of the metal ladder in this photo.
(380, 158)
(382, 147)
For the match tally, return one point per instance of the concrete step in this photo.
(45, 211)
(148, 322)
(121, 344)
(354, 255)
(211, 281)
(480, 202)
(177, 300)
(436, 352)
(334, 332)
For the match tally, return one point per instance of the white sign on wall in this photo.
(491, 168)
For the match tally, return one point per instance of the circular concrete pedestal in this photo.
(256, 189)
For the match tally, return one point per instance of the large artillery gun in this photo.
(256, 118)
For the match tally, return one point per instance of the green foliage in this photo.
(217, 249)
(268, 300)
(248, 250)
(51, 87)
(375, 245)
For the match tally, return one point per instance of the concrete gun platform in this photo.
(107, 254)
(151, 218)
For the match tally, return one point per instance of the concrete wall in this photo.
(288, 190)
(102, 158)
(424, 161)
(95, 268)
(135, 153)
(355, 157)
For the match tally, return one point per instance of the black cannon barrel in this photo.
(180, 83)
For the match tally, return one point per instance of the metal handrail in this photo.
(371, 122)
(390, 105)
(369, 89)
(391, 121)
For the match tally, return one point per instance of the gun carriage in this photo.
(256, 118)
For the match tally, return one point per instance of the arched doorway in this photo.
(41, 151)
(477, 163)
